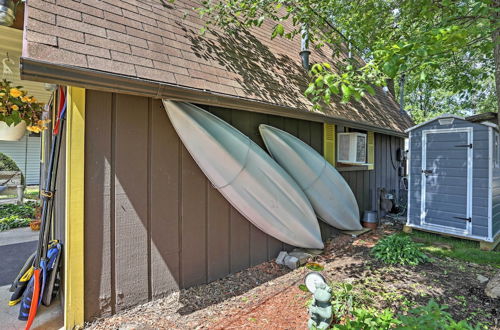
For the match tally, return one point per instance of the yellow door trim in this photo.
(74, 244)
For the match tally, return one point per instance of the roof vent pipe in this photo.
(304, 48)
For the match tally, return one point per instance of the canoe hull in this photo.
(246, 176)
(329, 194)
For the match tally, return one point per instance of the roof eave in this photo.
(69, 75)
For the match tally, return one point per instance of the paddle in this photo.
(34, 292)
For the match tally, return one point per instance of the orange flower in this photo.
(15, 107)
(25, 99)
(32, 100)
(14, 92)
(34, 129)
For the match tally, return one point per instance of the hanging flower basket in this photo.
(13, 132)
(18, 111)
(7, 12)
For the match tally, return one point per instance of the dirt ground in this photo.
(268, 297)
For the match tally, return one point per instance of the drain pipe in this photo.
(402, 93)
(304, 48)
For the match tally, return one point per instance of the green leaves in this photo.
(399, 249)
(278, 30)
(443, 46)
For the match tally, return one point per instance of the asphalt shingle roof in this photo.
(160, 41)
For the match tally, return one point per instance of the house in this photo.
(140, 218)
(454, 177)
(26, 152)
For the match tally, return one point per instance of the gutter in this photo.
(110, 82)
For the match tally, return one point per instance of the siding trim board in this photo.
(490, 184)
(74, 278)
(410, 191)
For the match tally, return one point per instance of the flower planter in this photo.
(12, 133)
(7, 12)
(35, 225)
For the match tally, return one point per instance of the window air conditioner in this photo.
(351, 148)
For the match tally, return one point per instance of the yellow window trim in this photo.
(74, 245)
(329, 143)
(371, 150)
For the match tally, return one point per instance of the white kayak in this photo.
(254, 184)
(330, 195)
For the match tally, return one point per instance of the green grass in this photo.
(461, 249)
(31, 192)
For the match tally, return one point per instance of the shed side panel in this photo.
(495, 193)
(479, 173)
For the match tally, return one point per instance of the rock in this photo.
(280, 260)
(292, 262)
(482, 279)
(493, 287)
(302, 256)
(443, 246)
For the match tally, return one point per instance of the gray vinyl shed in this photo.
(454, 178)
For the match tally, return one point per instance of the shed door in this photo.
(447, 180)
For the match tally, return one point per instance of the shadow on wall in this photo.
(154, 223)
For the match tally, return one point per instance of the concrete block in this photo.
(292, 262)
(280, 260)
(302, 256)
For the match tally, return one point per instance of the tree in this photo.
(445, 48)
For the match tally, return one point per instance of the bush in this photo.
(368, 319)
(344, 299)
(13, 222)
(26, 210)
(431, 316)
(399, 249)
(7, 164)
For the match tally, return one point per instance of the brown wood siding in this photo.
(153, 222)
(366, 184)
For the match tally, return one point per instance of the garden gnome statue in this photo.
(320, 311)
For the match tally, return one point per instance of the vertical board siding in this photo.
(99, 298)
(193, 223)
(130, 209)
(154, 223)
(366, 184)
(164, 206)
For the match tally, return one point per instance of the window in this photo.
(352, 148)
(348, 149)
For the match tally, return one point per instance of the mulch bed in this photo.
(267, 296)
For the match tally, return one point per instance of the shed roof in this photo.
(485, 123)
(154, 42)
